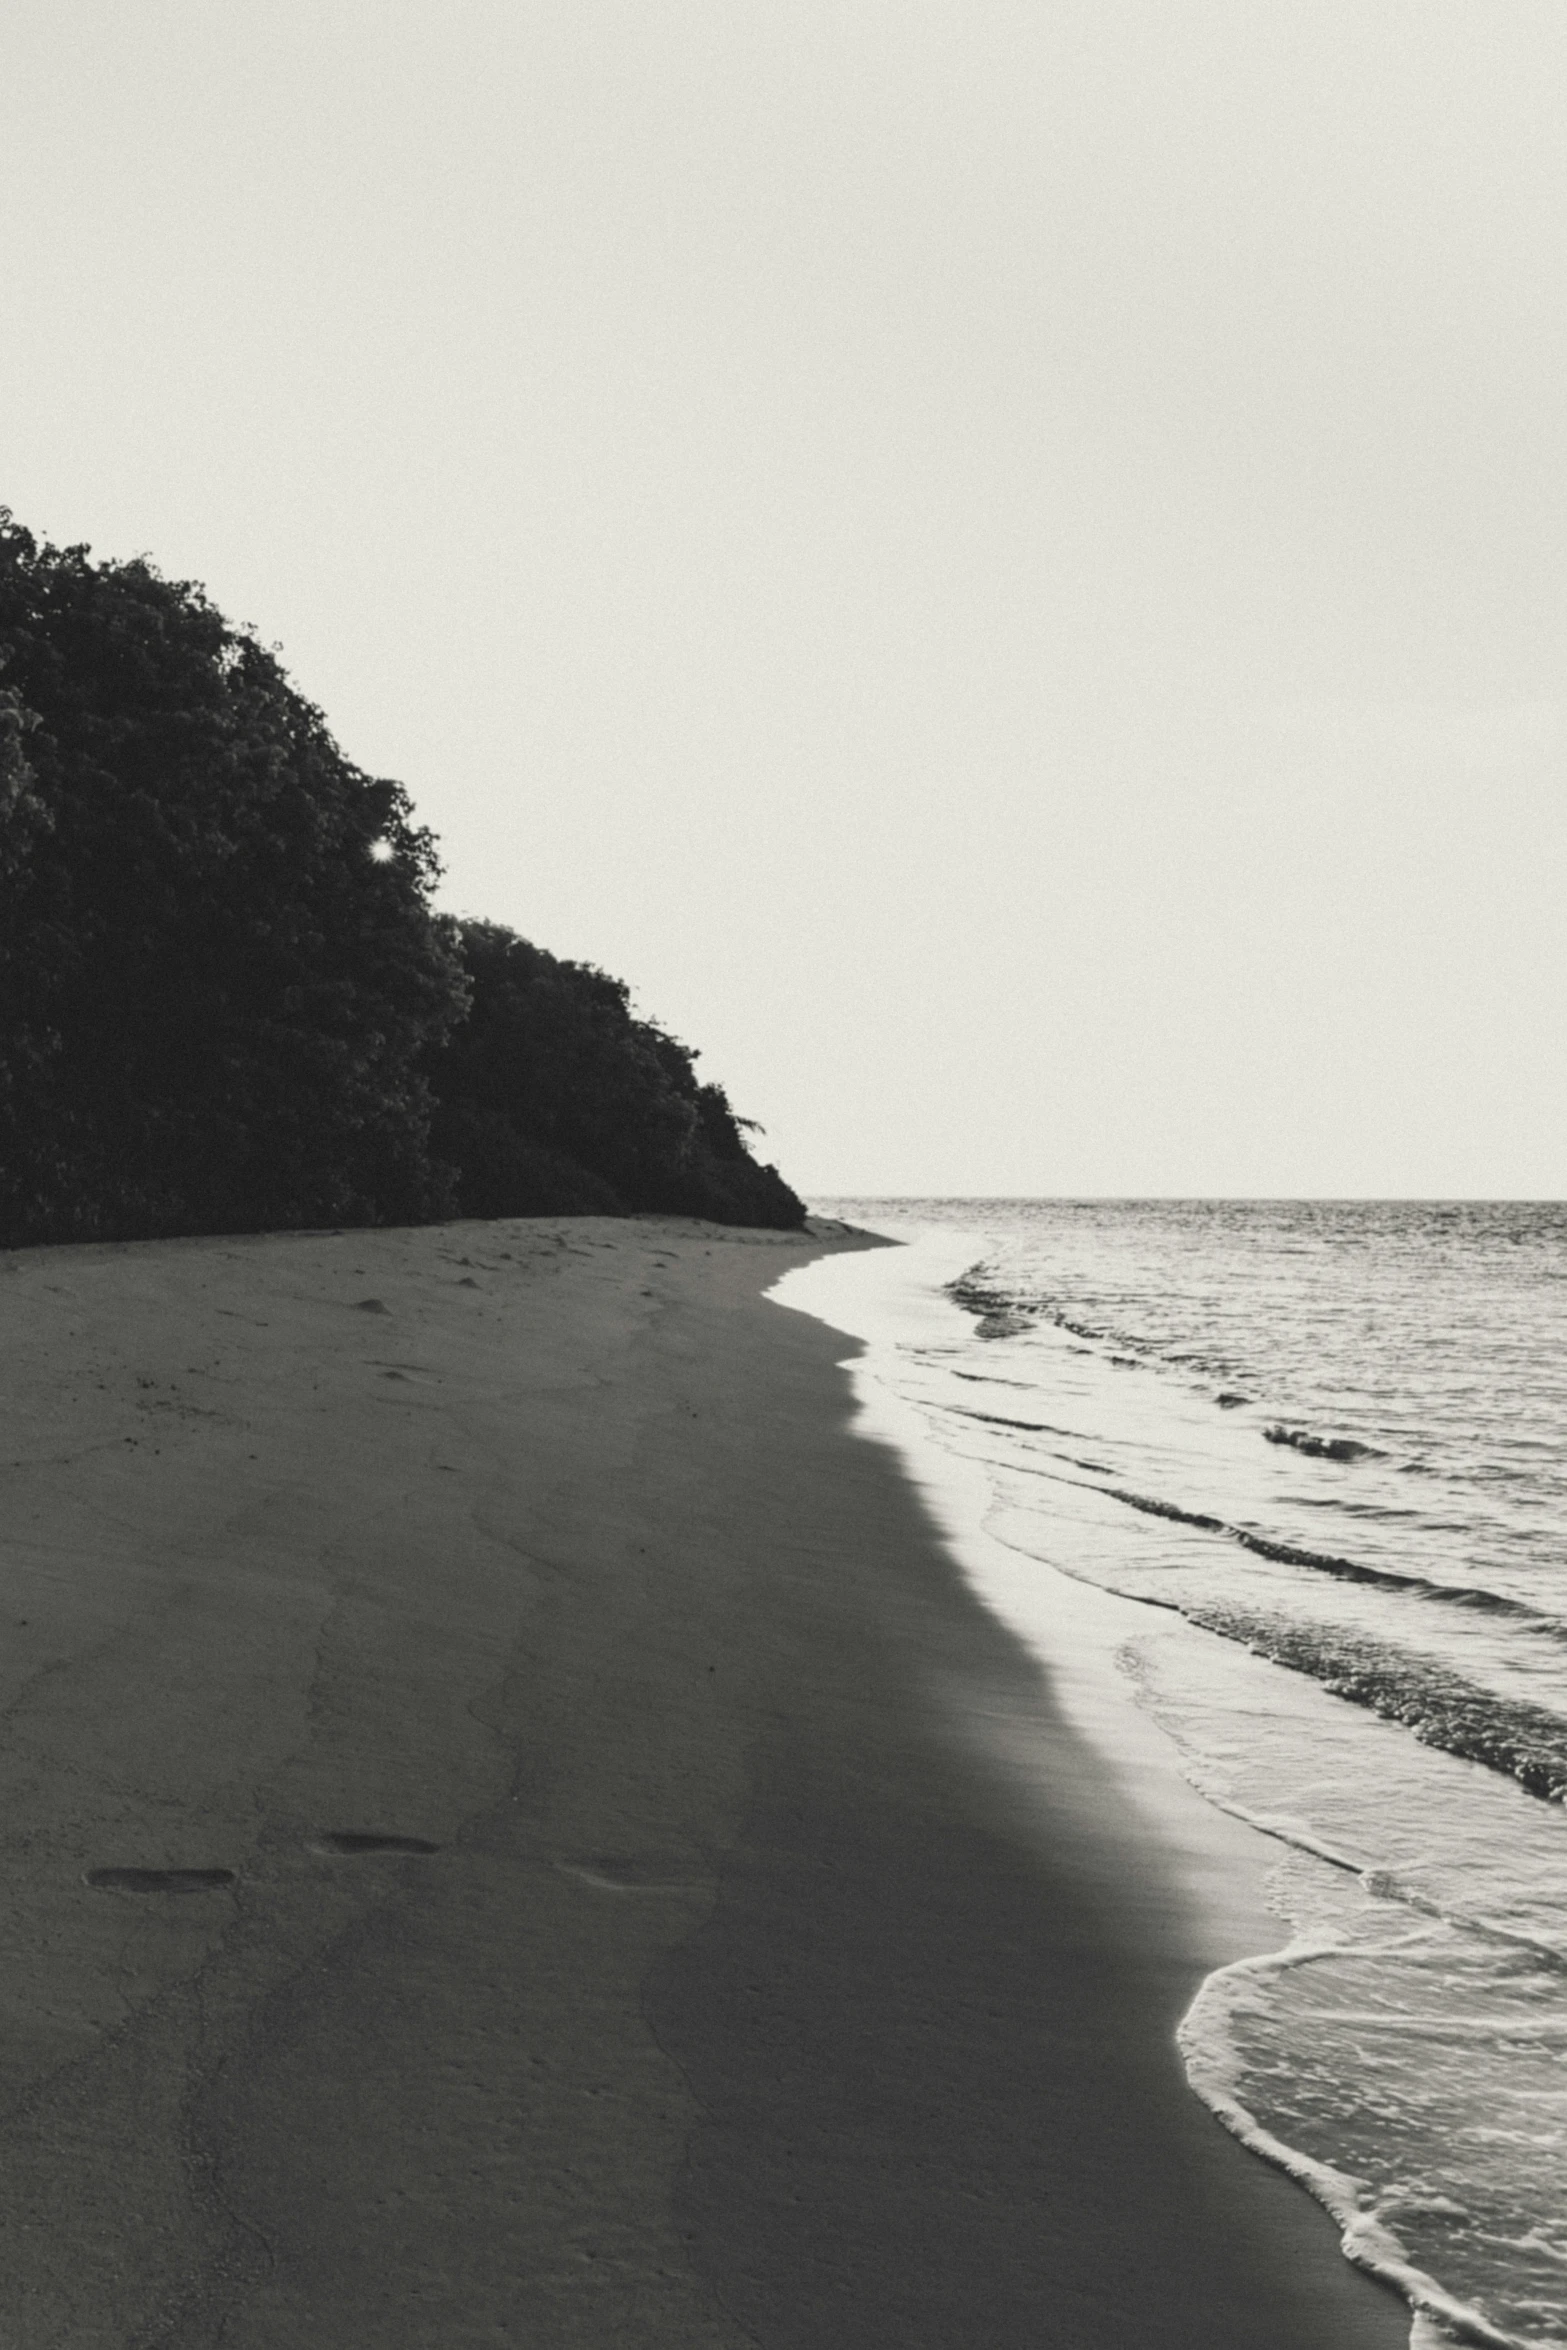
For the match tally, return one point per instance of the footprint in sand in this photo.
(356, 1843)
(158, 1880)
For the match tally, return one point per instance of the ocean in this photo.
(1321, 1448)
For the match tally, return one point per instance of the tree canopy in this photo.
(226, 1002)
(553, 1096)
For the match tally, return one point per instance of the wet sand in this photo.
(539, 1896)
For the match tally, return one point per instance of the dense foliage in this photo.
(553, 1098)
(215, 996)
(225, 1001)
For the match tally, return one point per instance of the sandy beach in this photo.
(482, 1863)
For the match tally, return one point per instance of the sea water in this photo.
(1326, 1443)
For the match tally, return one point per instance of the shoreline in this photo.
(744, 1995)
(1215, 1858)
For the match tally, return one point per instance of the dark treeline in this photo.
(226, 1003)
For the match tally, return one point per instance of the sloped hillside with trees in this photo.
(226, 1002)
(550, 1091)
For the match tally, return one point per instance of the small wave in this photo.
(998, 1420)
(1322, 1448)
(1003, 1315)
(1323, 1562)
(1345, 1505)
(1208, 2055)
(1170, 1509)
(1080, 1329)
(1544, 1956)
(960, 1411)
(1522, 1741)
(999, 1316)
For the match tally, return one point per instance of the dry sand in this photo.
(735, 2003)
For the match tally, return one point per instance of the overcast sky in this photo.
(1004, 564)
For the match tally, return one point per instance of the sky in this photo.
(1003, 564)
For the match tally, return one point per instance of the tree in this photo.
(215, 998)
(226, 1003)
(554, 1096)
